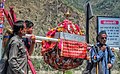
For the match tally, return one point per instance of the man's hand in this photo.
(95, 57)
(103, 48)
(33, 38)
(109, 65)
(88, 58)
(112, 49)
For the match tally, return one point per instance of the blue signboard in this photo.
(112, 27)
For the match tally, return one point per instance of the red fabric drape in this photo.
(9, 19)
(13, 15)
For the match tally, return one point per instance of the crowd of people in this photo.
(101, 56)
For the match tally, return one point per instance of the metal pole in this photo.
(43, 38)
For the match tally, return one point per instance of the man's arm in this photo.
(31, 48)
(96, 56)
(112, 58)
(32, 45)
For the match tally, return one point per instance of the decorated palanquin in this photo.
(69, 51)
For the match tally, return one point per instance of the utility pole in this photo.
(89, 15)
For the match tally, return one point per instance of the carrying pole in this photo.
(38, 38)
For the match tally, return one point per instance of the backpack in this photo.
(4, 59)
(3, 63)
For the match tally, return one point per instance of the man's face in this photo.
(23, 31)
(29, 30)
(103, 38)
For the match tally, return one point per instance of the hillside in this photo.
(43, 13)
(48, 13)
(100, 7)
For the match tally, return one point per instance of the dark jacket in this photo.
(17, 56)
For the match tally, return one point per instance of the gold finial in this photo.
(67, 14)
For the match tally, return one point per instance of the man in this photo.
(102, 56)
(17, 58)
(29, 43)
(89, 63)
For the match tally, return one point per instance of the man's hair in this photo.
(29, 24)
(17, 26)
(102, 32)
(99, 35)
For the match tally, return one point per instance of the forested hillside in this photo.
(100, 7)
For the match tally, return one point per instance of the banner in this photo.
(112, 27)
(73, 49)
(1, 25)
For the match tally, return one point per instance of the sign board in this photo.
(112, 27)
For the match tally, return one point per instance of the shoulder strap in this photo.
(108, 50)
(96, 48)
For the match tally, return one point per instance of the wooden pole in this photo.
(64, 72)
(97, 68)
